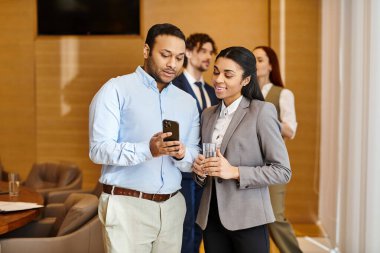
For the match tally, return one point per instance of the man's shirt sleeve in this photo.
(104, 125)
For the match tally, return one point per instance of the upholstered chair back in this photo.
(79, 209)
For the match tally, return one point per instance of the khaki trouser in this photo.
(281, 231)
(134, 225)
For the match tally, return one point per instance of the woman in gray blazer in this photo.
(235, 205)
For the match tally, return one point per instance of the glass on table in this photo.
(14, 184)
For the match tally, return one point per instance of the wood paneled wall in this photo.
(47, 82)
(302, 58)
(69, 71)
(229, 23)
(17, 86)
(302, 77)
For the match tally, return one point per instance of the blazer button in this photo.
(220, 180)
(246, 187)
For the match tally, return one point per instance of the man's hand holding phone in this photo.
(167, 142)
(159, 147)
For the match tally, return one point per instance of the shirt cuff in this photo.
(142, 151)
(200, 178)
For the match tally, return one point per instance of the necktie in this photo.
(204, 104)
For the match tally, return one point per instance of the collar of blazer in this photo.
(236, 119)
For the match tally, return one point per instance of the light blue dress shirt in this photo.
(124, 115)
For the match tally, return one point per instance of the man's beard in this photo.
(149, 70)
(202, 69)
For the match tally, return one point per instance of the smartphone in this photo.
(173, 127)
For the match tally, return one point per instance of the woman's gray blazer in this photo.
(253, 143)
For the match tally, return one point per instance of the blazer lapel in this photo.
(236, 119)
(210, 124)
(211, 94)
(187, 87)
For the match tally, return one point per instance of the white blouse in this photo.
(224, 120)
(287, 112)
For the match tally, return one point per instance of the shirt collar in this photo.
(266, 88)
(191, 79)
(147, 79)
(231, 108)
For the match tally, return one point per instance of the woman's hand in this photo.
(198, 166)
(219, 167)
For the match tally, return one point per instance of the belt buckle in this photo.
(113, 189)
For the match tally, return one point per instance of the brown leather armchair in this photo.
(48, 177)
(61, 196)
(71, 227)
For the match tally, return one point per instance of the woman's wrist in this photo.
(201, 178)
(236, 173)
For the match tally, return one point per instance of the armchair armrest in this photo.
(45, 191)
(61, 196)
(54, 210)
(86, 239)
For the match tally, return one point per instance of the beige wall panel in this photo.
(302, 77)
(17, 108)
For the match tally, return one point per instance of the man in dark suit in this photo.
(200, 49)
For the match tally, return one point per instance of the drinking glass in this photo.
(14, 184)
(209, 149)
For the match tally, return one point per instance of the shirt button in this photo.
(246, 187)
(220, 180)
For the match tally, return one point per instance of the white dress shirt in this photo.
(287, 109)
(224, 120)
(195, 88)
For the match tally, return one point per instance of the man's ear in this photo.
(246, 80)
(188, 53)
(146, 51)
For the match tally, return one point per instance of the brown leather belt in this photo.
(114, 190)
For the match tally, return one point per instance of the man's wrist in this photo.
(178, 159)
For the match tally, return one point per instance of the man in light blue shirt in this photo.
(140, 207)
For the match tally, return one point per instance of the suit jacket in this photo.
(182, 83)
(253, 143)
